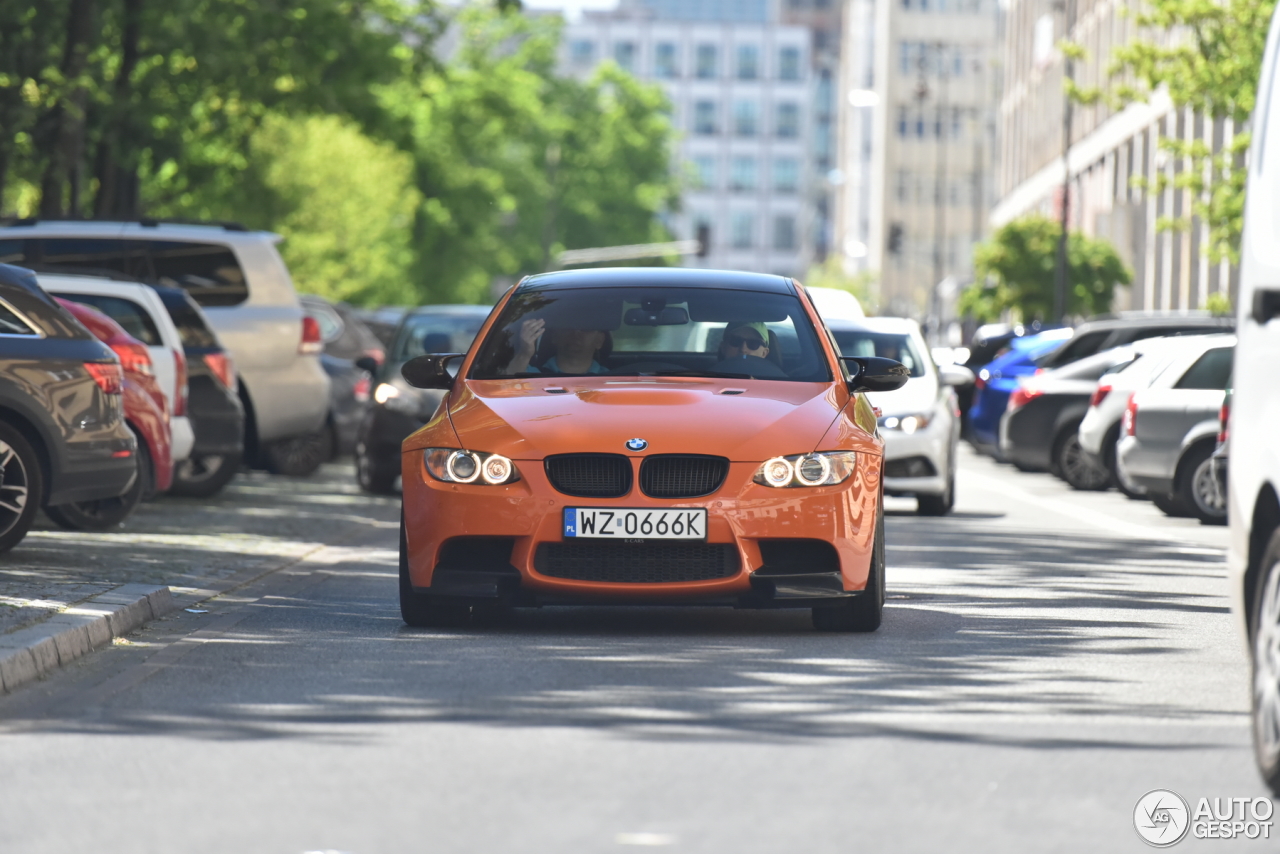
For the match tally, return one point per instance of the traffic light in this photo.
(895, 238)
(704, 240)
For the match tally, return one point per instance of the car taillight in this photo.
(1130, 424)
(362, 388)
(108, 375)
(179, 383)
(134, 357)
(1022, 396)
(979, 384)
(222, 367)
(312, 342)
(1099, 394)
(1224, 421)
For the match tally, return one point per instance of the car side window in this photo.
(11, 323)
(88, 254)
(207, 271)
(1212, 371)
(135, 319)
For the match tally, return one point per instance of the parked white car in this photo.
(240, 281)
(139, 310)
(1100, 430)
(1253, 471)
(835, 304)
(920, 422)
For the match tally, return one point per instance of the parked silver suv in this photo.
(239, 279)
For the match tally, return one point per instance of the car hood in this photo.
(524, 421)
(916, 397)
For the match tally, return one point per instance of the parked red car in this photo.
(146, 411)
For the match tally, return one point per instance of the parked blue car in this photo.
(997, 380)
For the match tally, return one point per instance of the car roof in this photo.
(641, 277)
(902, 325)
(136, 229)
(449, 309)
(1155, 321)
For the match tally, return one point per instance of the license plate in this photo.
(623, 523)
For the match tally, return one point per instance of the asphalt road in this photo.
(1047, 657)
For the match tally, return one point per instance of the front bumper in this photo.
(918, 463)
(739, 515)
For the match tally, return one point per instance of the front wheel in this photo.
(21, 486)
(862, 613)
(372, 475)
(1266, 666)
(104, 514)
(203, 476)
(938, 505)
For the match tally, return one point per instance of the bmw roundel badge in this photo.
(637, 444)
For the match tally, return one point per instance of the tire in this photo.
(204, 476)
(1198, 488)
(938, 505)
(862, 613)
(301, 455)
(1170, 505)
(373, 477)
(422, 610)
(1264, 650)
(1076, 466)
(21, 486)
(103, 514)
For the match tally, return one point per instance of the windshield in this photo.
(889, 345)
(659, 331)
(435, 333)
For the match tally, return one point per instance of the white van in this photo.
(1253, 472)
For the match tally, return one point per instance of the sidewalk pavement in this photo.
(65, 593)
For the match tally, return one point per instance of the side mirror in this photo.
(955, 375)
(367, 363)
(429, 371)
(872, 373)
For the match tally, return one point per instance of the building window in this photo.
(704, 172)
(624, 53)
(704, 118)
(664, 60)
(748, 62)
(706, 62)
(902, 185)
(743, 178)
(784, 232)
(787, 120)
(742, 227)
(786, 175)
(582, 52)
(789, 63)
(903, 121)
(746, 117)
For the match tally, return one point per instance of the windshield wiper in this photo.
(728, 375)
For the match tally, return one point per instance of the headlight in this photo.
(458, 466)
(825, 468)
(384, 392)
(906, 423)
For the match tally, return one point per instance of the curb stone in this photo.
(29, 653)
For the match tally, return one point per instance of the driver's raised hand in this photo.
(527, 339)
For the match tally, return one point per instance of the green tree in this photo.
(1211, 64)
(1015, 272)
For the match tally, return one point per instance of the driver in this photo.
(745, 339)
(575, 349)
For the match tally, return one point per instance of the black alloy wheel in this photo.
(301, 455)
(1265, 657)
(862, 613)
(422, 610)
(21, 486)
(1080, 469)
(204, 475)
(371, 474)
(102, 514)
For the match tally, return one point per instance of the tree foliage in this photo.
(1015, 271)
(1210, 61)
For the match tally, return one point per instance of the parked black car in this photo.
(399, 409)
(213, 404)
(63, 436)
(1040, 429)
(1094, 336)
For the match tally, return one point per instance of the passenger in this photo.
(745, 339)
(575, 350)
